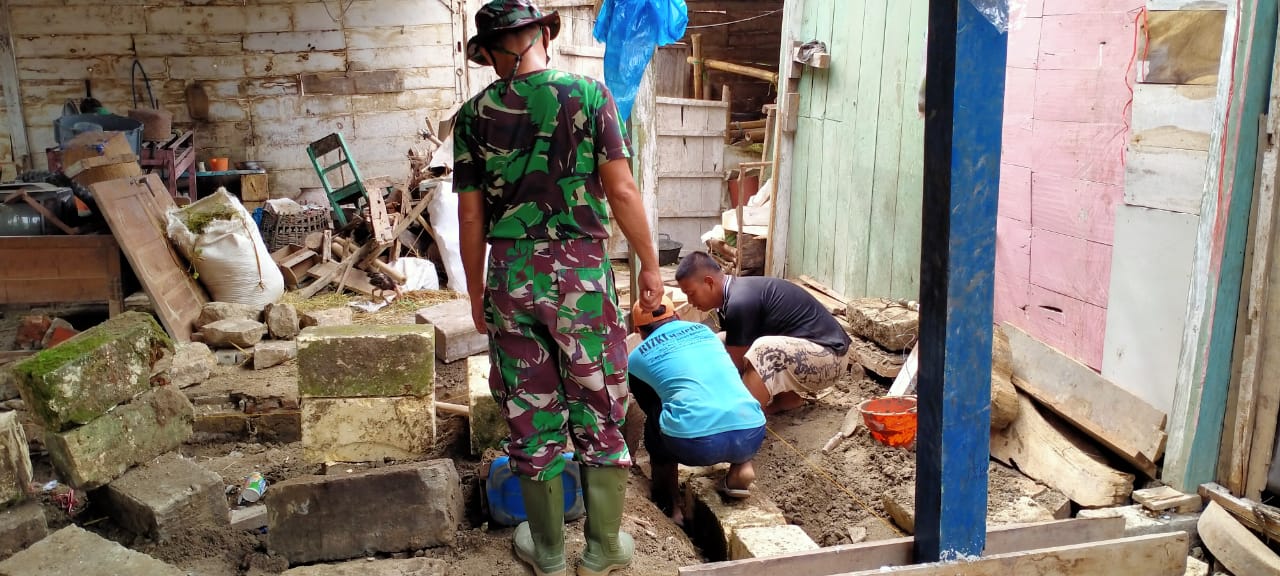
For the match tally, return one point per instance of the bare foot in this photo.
(677, 516)
(784, 401)
(740, 476)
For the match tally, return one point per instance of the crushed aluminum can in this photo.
(253, 488)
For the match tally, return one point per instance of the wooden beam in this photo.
(1234, 546)
(898, 551)
(1258, 517)
(13, 93)
(698, 68)
(784, 142)
(1121, 421)
(1155, 555)
(1164, 498)
(962, 180)
(730, 67)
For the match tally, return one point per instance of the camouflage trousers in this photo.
(558, 354)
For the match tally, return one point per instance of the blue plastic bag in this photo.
(631, 30)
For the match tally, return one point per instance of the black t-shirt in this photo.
(760, 306)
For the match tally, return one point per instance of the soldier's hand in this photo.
(650, 289)
(477, 313)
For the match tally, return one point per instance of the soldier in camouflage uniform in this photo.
(540, 156)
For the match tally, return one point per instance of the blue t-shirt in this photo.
(690, 370)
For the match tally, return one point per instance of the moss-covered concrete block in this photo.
(488, 427)
(15, 459)
(100, 451)
(366, 361)
(367, 429)
(80, 379)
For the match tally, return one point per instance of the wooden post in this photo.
(725, 93)
(698, 68)
(644, 130)
(962, 181)
(12, 93)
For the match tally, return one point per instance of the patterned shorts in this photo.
(794, 365)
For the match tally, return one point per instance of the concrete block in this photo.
(92, 372)
(190, 364)
(249, 517)
(885, 322)
(15, 459)
(167, 497)
(371, 567)
(233, 333)
(763, 541)
(329, 317)
(215, 311)
(392, 509)
(367, 429)
(1139, 522)
(100, 451)
(230, 357)
(282, 321)
(718, 518)
(274, 353)
(487, 426)
(72, 550)
(360, 361)
(21, 526)
(455, 334)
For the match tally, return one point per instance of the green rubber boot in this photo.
(608, 547)
(540, 541)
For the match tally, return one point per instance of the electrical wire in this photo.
(748, 19)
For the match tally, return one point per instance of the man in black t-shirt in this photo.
(785, 344)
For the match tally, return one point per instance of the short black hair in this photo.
(695, 262)
(648, 329)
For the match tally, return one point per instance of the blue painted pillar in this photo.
(964, 101)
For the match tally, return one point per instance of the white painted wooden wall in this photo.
(691, 170)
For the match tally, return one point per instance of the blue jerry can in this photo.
(506, 505)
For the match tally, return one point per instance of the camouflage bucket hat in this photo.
(499, 16)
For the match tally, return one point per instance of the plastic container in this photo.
(891, 419)
(506, 504)
(67, 127)
(219, 164)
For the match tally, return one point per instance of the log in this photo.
(457, 409)
(1121, 421)
(1056, 456)
(730, 67)
(1233, 545)
(698, 69)
(1004, 396)
(1258, 517)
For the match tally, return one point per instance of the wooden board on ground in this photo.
(876, 359)
(1165, 498)
(834, 306)
(899, 551)
(456, 335)
(1233, 545)
(135, 208)
(1121, 421)
(353, 279)
(1056, 456)
(1258, 517)
(1155, 555)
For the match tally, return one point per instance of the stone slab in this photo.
(15, 459)
(273, 353)
(20, 527)
(94, 371)
(100, 451)
(384, 510)
(190, 364)
(233, 333)
(455, 333)
(330, 317)
(282, 321)
(487, 426)
(365, 361)
(889, 324)
(764, 541)
(718, 517)
(218, 311)
(249, 518)
(72, 550)
(367, 429)
(167, 497)
(368, 567)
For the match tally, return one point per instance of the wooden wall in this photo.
(753, 43)
(1062, 169)
(857, 177)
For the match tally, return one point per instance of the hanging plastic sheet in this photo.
(995, 11)
(631, 30)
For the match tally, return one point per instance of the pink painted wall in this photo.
(1062, 170)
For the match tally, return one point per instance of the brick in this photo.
(268, 354)
(418, 78)
(378, 81)
(455, 334)
(292, 106)
(764, 541)
(388, 510)
(330, 317)
(20, 527)
(370, 567)
(72, 550)
(59, 331)
(92, 372)
(367, 429)
(487, 426)
(328, 83)
(417, 100)
(166, 498)
(100, 451)
(235, 333)
(31, 330)
(718, 518)
(15, 459)
(294, 41)
(356, 361)
(71, 46)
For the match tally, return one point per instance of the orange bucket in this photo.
(891, 419)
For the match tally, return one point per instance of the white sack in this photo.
(442, 210)
(229, 256)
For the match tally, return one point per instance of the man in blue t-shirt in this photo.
(697, 412)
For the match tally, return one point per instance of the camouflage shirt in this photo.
(534, 150)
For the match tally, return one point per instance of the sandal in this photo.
(732, 493)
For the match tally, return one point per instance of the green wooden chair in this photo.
(323, 147)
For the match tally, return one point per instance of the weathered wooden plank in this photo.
(863, 159)
(906, 231)
(884, 191)
(1183, 46)
(1117, 418)
(800, 192)
(1157, 555)
(1165, 178)
(1233, 546)
(898, 552)
(1165, 498)
(1172, 115)
(1258, 517)
(1071, 266)
(21, 149)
